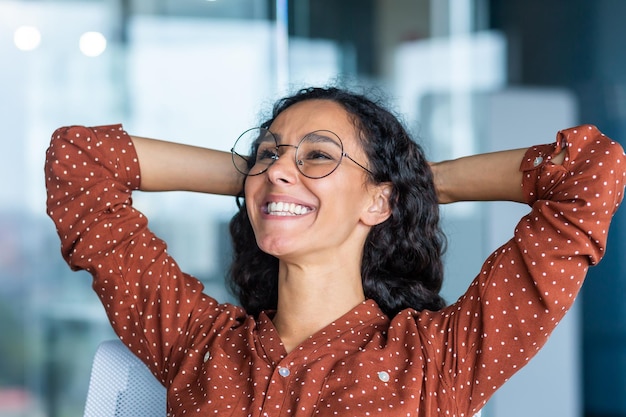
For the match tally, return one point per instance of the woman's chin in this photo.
(276, 246)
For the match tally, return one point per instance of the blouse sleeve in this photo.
(152, 305)
(527, 285)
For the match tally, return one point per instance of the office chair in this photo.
(122, 386)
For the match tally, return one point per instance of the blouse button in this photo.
(383, 376)
(537, 161)
(207, 356)
(284, 372)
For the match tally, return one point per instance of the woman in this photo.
(337, 260)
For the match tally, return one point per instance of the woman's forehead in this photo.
(311, 115)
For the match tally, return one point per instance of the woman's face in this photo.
(294, 216)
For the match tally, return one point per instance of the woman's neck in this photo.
(309, 300)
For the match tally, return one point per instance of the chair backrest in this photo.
(122, 386)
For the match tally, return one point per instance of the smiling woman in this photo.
(407, 274)
(338, 271)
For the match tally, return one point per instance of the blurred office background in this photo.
(466, 76)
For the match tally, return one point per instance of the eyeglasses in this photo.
(318, 154)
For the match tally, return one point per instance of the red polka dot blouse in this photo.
(215, 359)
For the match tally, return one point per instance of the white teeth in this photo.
(286, 209)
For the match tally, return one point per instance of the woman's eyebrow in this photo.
(320, 137)
(277, 137)
(316, 136)
(267, 137)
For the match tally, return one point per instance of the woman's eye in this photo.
(319, 155)
(265, 154)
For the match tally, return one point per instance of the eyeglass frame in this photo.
(296, 161)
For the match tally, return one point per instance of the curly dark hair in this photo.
(402, 263)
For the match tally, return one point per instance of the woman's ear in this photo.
(379, 209)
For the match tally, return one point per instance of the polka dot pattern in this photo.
(214, 359)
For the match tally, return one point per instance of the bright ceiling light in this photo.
(92, 43)
(27, 38)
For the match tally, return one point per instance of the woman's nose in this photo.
(284, 169)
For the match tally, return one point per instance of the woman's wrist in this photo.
(441, 182)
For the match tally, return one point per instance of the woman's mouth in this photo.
(286, 209)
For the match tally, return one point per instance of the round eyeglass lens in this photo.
(319, 153)
(254, 151)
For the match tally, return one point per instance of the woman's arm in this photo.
(573, 188)
(486, 177)
(168, 166)
(91, 173)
